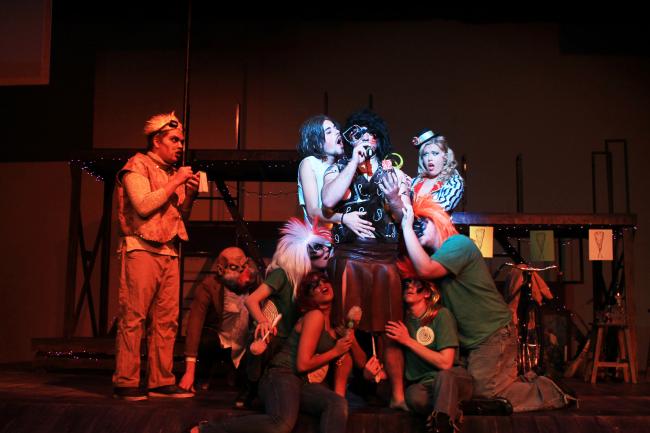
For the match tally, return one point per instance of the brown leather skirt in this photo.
(365, 273)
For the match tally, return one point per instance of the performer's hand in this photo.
(187, 381)
(359, 153)
(373, 370)
(343, 331)
(359, 226)
(343, 344)
(264, 327)
(351, 334)
(397, 331)
(183, 174)
(192, 185)
(407, 217)
(390, 186)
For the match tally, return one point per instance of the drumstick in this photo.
(273, 325)
(374, 353)
(257, 347)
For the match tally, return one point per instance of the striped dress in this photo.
(446, 194)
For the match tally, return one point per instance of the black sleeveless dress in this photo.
(364, 271)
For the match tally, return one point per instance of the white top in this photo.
(318, 167)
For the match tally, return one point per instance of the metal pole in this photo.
(73, 250)
(186, 88)
(109, 185)
(520, 183)
(186, 123)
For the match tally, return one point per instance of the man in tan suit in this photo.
(155, 200)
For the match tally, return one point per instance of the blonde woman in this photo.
(437, 173)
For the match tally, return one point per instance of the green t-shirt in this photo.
(445, 335)
(469, 291)
(282, 290)
(286, 357)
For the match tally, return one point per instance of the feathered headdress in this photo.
(425, 207)
(292, 253)
(162, 122)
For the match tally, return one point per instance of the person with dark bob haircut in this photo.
(294, 381)
(363, 268)
(319, 147)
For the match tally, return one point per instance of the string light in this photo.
(101, 167)
(93, 167)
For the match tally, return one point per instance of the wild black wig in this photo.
(376, 126)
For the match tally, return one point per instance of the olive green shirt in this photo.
(287, 356)
(445, 335)
(469, 291)
(282, 292)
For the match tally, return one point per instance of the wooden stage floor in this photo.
(80, 401)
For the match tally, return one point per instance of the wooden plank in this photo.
(543, 219)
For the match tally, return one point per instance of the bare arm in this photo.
(425, 266)
(352, 220)
(442, 360)
(253, 303)
(336, 183)
(312, 326)
(358, 355)
(144, 200)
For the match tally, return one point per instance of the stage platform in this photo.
(80, 401)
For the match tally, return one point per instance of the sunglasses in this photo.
(318, 285)
(419, 287)
(173, 124)
(354, 133)
(419, 225)
(318, 250)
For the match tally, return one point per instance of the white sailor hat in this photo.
(422, 137)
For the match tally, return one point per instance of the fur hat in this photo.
(162, 123)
